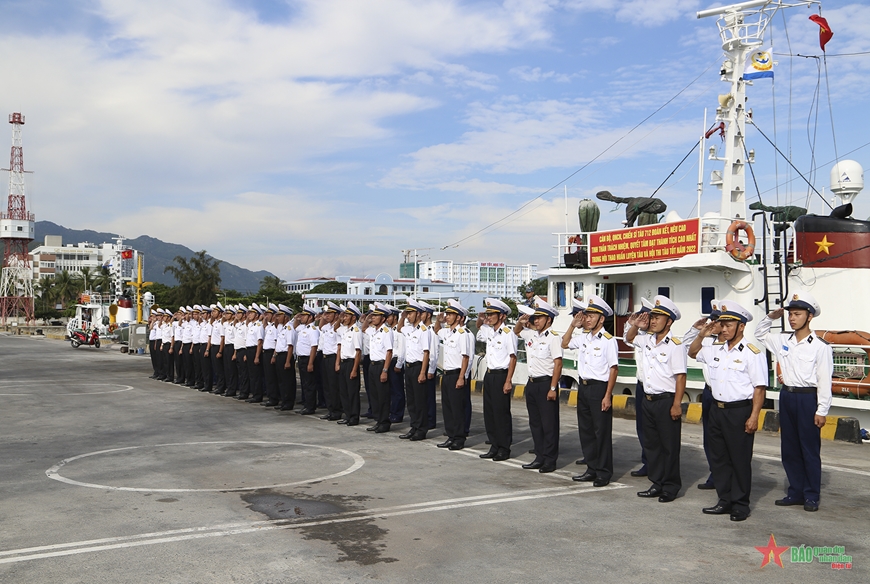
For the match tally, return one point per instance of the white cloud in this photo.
(640, 12)
(526, 73)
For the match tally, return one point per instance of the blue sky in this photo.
(322, 137)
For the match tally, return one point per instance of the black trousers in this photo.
(364, 373)
(217, 369)
(349, 391)
(379, 393)
(242, 372)
(152, 352)
(639, 400)
(330, 378)
(416, 395)
(270, 375)
(319, 382)
(397, 393)
(706, 405)
(198, 373)
(497, 409)
(662, 443)
(801, 445)
(453, 405)
(431, 401)
(595, 428)
(177, 351)
(544, 421)
(309, 387)
(286, 379)
(189, 372)
(231, 373)
(168, 362)
(255, 373)
(731, 455)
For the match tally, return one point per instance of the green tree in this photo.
(87, 277)
(66, 287)
(164, 296)
(102, 279)
(330, 288)
(539, 286)
(199, 278)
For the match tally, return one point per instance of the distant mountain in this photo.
(158, 255)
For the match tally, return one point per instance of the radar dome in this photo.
(847, 180)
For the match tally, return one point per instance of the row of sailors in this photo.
(401, 353)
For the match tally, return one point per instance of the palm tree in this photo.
(66, 287)
(199, 278)
(102, 279)
(87, 277)
(44, 288)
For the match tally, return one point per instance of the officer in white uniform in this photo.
(458, 352)
(381, 356)
(231, 378)
(253, 353)
(213, 347)
(639, 395)
(544, 356)
(664, 363)
(598, 367)
(270, 341)
(737, 373)
(807, 364)
(241, 352)
(328, 346)
(283, 359)
(307, 339)
(417, 355)
(501, 359)
(435, 348)
(350, 346)
(397, 368)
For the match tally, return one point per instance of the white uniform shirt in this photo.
(542, 350)
(270, 336)
(809, 363)
(416, 342)
(471, 339)
(194, 331)
(328, 342)
(205, 332)
(398, 347)
(596, 354)
(229, 333)
(217, 331)
(152, 331)
(662, 362)
(241, 334)
(380, 341)
(638, 353)
(455, 347)
(280, 339)
(254, 334)
(734, 373)
(351, 341)
(500, 345)
(307, 335)
(186, 332)
(167, 331)
(434, 349)
(365, 340)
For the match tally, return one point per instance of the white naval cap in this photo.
(426, 306)
(646, 305)
(381, 309)
(273, 308)
(414, 305)
(666, 306)
(804, 301)
(496, 306)
(577, 305)
(332, 307)
(242, 308)
(715, 311)
(456, 307)
(230, 309)
(285, 309)
(182, 309)
(542, 308)
(730, 310)
(351, 308)
(598, 305)
(312, 310)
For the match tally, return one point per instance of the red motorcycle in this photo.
(78, 338)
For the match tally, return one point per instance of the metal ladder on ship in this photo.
(774, 269)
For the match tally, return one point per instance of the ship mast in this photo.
(741, 27)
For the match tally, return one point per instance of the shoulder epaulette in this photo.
(423, 327)
(753, 348)
(607, 335)
(677, 341)
(505, 329)
(385, 329)
(719, 343)
(459, 329)
(355, 329)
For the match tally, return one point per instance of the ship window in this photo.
(708, 293)
(664, 291)
(578, 290)
(561, 295)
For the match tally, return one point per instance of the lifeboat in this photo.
(858, 386)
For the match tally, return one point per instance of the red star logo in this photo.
(771, 550)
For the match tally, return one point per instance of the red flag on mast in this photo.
(127, 254)
(825, 32)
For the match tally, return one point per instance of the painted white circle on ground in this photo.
(357, 463)
(14, 383)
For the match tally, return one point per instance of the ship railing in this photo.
(851, 365)
(17, 216)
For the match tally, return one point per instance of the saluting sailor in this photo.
(328, 345)
(737, 374)
(213, 351)
(664, 363)
(417, 353)
(639, 395)
(397, 368)
(231, 376)
(381, 356)
(254, 353)
(434, 348)
(458, 352)
(501, 359)
(241, 352)
(597, 367)
(307, 339)
(283, 359)
(350, 351)
(544, 357)
(270, 341)
(807, 364)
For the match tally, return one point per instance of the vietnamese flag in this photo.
(825, 32)
(127, 254)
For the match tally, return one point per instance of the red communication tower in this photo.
(16, 230)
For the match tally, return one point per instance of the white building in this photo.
(489, 278)
(303, 285)
(53, 257)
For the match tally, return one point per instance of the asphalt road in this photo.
(107, 476)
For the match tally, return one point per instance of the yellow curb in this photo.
(619, 402)
(761, 416)
(519, 391)
(829, 430)
(693, 413)
(572, 399)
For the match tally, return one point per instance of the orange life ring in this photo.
(843, 386)
(734, 246)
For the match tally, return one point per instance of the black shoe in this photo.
(306, 412)
(382, 429)
(667, 497)
(254, 400)
(230, 395)
(352, 423)
(600, 482)
(368, 415)
(342, 421)
(787, 502)
(811, 506)
(285, 409)
(534, 465)
(581, 461)
(198, 386)
(532, 451)
(718, 509)
(706, 486)
(739, 515)
(487, 442)
(243, 396)
(585, 477)
(446, 443)
(641, 472)
(458, 444)
(418, 435)
(219, 392)
(335, 417)
(408, 434)
(650, 492)
(373, 428)
(502, 454)
(547, 468)
(489, 454)
(326, 417)
(270, 404)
